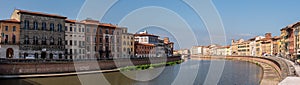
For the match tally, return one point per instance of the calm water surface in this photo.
(235, 73)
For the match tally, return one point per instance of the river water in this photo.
(234, 73)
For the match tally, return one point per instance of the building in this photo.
(234, 46)
(9, 38)
(127, 43)
(297, 40)
(144, 50)
(74, 40)
(253, 45)
(276, 45)
(244, 48)
(154, 47)
(168, 46)
(116, 44)
(91, 27)
(196, 50)
(223, 51)
(287, 42)
(145, 38)
(41, 34)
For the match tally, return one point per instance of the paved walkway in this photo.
(291, 79)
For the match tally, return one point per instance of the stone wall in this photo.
(40, 67)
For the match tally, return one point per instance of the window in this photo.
(75, 51)
(26, 24)
(95, 30)
(79, 29)
(26, 41)
(75, 29)
(75, 42)
(6, 39)
(100, 31)
(66, 42)
(106, 39)
(71, 28)
(59, 27)
(14, 28)
(100, 40)
(6, 28)
(87, 29)
(35, 25)
(106, 31)
(51, 27)
(52, 41)
(35, 40)
(44, 25)
(70, 42)
(59, 41)
(71, 52)
(82, 29)
(66, 28)
(88, 48)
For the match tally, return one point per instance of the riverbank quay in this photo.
(272, 70)
(16, 69)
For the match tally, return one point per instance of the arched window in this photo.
(59, 27)
(9, 53)
(59, 41)
(26, 24)
(35, 40)
(44, 26)
(35, 25)
(26, 41)
(51, 27)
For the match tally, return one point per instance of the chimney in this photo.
(268, 35)
(166, 40)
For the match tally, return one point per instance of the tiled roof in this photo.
(40, 13)
(10, 20)
(145, 44)
(145, 35)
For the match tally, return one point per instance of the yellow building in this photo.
(276, 45)
(244, 48)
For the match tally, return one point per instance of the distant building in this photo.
(197, 50)
(75, 40)
(41, 35)
(145, 38)
(9, 38)
(223, 51)
(154, 47)
(127, 43)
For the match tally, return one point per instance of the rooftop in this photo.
(40, 13)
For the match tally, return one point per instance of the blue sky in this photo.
(241, 18)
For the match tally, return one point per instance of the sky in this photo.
(241, 18)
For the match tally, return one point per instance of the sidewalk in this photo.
(291, 80)
(297, 67)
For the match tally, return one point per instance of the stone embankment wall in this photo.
(40, 67)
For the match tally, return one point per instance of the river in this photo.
(234, 73)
